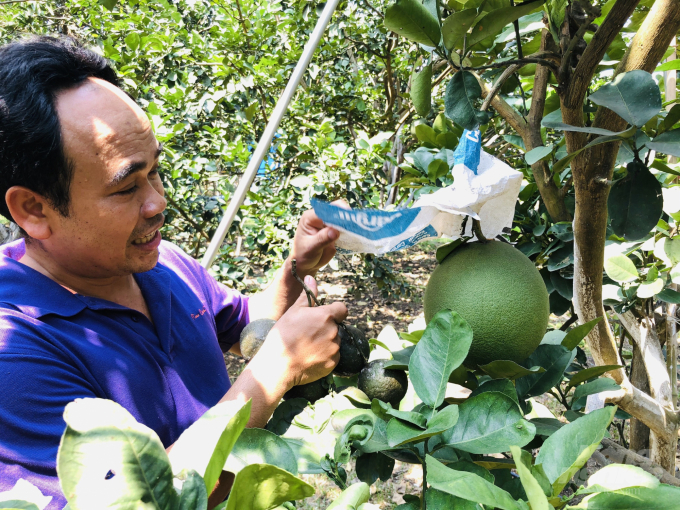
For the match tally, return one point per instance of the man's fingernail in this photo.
(333, 234)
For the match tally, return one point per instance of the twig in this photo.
(497, 86)
(526, 60)
(310, 295)
(477, 229)
(189, 219)
(569, 322)
(517, 36)
(562, 76)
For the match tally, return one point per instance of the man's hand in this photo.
(314, 244)
(304, 342)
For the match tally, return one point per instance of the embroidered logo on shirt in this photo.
(200, 312)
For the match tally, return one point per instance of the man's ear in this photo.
(30, 211)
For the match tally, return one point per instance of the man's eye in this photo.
(127, 191)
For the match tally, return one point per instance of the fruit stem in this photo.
(477, 229)
(310, 295)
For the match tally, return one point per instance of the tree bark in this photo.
(552, 196)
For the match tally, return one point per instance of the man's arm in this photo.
(313, 247)
(302, 347)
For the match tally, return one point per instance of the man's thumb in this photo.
(311, 285)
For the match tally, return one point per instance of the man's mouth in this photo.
(145, 239)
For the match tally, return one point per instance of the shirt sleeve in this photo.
(42, 382)
(228, 306)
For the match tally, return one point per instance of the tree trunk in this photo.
(591, 171)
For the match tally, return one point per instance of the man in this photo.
(92, 302)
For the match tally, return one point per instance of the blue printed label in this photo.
(369, 224)
(427, 232)
(468, 150)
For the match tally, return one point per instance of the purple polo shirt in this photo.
(56, 346)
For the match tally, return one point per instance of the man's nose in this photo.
(154, 202)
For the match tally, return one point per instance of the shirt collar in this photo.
(33, 293)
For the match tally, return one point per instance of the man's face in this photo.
(116, 194)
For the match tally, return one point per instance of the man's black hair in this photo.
(32, 72)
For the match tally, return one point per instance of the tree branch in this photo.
(572, 100)
(613, 452)
(644, 335)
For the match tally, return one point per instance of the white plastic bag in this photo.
(484, 189)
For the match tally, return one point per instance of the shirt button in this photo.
(134, 319)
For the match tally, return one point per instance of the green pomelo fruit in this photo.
(501, 295)
(354, 351)
(312, 391)
(388, 385)
(253, 336)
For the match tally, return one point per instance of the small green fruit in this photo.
(386, 384)
(312, 391)
(354, 351)
(253, 336)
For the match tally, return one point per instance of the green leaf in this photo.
(399, 432)
(669, 296)
(564, 162)
(438, 500)
(132, 41)
(426, 134)
(664, 497)
(648, 289)
(456, 26)
(445, 251)
(634, 95)
(596, 386)
(18, 505)
(103, 442)
(284, 415)
(673, 65)
(489, 423)
(537, 499)
(537, 154)
(262, 487)
(371, 466)
(589, 373)
(546, 426)
(561, 126)
(620, 476)
(555, 359)
(358, 431)
(467, 486)
(259, 446)
(443, 347)
(673, 115)
(568, 449)
(353, 496)
(556, 10)
(459, 103)
(635, 203)
(411, 19)
(494, 22)
(506, 369)
(577, 334)
(421, 90)
(194, 496)
(385, 412)
(503, 386)
(109, 4)
(667, 143)
(668, 250)
(206, 444)
(620, 268)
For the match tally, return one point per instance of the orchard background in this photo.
(374, 120)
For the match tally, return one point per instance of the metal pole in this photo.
(268, 135)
